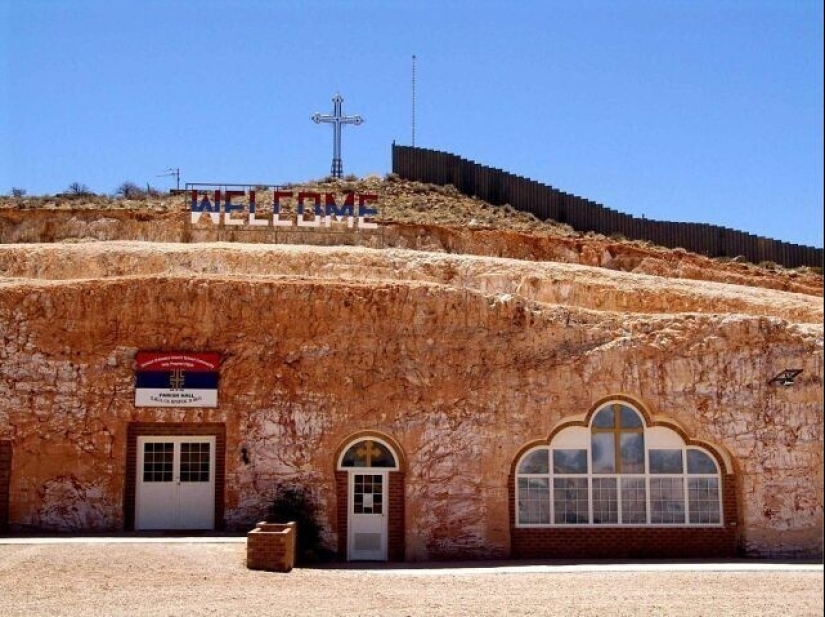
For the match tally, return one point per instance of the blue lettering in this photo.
(347, 208)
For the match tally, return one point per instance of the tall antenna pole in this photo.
(172, 171)
(413, 100)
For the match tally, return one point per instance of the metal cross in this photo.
(337, 119)
(367, 451)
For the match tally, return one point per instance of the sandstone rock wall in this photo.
(461, 360)
(170, 224)
(86, 224)
(546, 282)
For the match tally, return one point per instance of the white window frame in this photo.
(354, 442)
(655, 438)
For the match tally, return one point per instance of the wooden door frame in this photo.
(5, 483)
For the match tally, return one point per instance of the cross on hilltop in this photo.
(337, 119)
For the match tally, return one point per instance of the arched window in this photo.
(368, 453)
(617, 471)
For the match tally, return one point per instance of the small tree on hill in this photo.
(78, 189)
(18, 192)
(130, 190)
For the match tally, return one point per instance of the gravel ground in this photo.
(212, 579)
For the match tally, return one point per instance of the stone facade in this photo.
(461, 361)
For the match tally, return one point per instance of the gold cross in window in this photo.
(367, 451)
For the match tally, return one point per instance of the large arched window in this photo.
(617, 471)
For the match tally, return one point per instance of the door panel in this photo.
(156, 491)
(367, 516)
(196, 509)
(175, 487)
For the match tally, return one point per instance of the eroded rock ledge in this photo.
(544, 282)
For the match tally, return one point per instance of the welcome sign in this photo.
(176, 379)
(249, 209)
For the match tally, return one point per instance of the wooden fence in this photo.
(499, 187)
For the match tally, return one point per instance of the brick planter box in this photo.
(271, 547)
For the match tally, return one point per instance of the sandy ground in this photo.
(212, 579)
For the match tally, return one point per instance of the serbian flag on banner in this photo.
(176, 379)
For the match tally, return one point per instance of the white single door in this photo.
(368, 516)
(175, 487)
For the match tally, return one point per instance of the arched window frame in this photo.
(362, 440)
(646, 498)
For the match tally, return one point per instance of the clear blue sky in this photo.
(696, 110)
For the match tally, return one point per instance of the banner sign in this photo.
(246, 208)
(176, 379)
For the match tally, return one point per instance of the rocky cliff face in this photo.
(410, 216)
(462, 359)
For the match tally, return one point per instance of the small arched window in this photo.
(617, 471)
(368, 453)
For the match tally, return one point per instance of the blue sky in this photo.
(703, 110)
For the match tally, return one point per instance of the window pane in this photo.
(534, 501)
(570, 461)
(634, 504)
(157, 462)
(603, 447)
(570, 500)
(367, 494)
(194, 462)
(665, 461)
(605, 501)
(703, 498)
(630, 419)
(350, 460)
(377, 492)
(535, 462)
(383, 458)
(699, 462)
(633, 452)
(667, 500)
(368, 453)
(604, 418)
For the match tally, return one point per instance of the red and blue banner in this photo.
(176, 379)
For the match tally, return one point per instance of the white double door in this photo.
(368, 516)
(175, 486)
